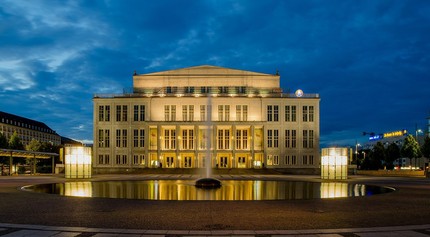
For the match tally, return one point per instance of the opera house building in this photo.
(176, 118)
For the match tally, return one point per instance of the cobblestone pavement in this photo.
(405, 212)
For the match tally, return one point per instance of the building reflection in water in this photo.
(230, 190)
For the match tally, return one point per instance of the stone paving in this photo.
(401, 219)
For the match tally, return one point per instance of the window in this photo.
(308, 113)
(242, 139)
(308, 160)
(241, 112)
(311, 113)
(121, 138)
(203, 113)
(138, 159)
(188, 139)
(139, 113)
(223, 139)
(223, 112)
(189, 89)
(104, 137)
(187, 161)
(272, 113)
(311, 139)
(272, 138)
(139, 138)
(121, 113)
(169, 139)
(223, 89)
(305, 138)
(187, 112)
(290, 160)
(170, 113)
(169, 162)
(223, 162)
(276, 160)
(290, 113)
(104, 159)
(104, 113)
(121, 159)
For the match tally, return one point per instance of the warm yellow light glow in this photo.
(77, 162)
(334, 163)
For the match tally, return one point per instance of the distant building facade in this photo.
(174, 119)
(27, 129)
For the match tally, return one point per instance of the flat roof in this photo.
(27, 154)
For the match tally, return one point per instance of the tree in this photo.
(3, 141)
(425, 149)
(411, 148)
(15, 142)
(392, 154)
(377, 156)
(34, 145)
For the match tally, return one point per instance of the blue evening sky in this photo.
(368, 60)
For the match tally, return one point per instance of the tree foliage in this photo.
(425, 149)
(34, 145)
(3, 141)
(15, 142)
(411, 148)
(392, 154)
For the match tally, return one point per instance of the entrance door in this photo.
(187, 162)
(241, 162)
(169, 162)
(223, 162)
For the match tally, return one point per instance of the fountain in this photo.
(208, 182)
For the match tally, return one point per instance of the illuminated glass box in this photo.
(77, 162)
(334, 163)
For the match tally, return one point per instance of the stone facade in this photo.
(170, 119)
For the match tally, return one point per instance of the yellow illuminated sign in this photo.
(395, 133)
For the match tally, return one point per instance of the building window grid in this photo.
(170, 139)
(188, 139)
(272, 113)
(241, 139)
(305, 138)
(139, 113)
(203, 113)
(224, 139)
(272, 138)
(170, 112)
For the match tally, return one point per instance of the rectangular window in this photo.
(118, 138)
(118, 113)
(139, 113)
(305, 138)
(107, 138)
(272, 138)
(170, 112)
(142, 138)
(138, 159)
(293, 139)
(311, 113)
(169, 139)
(242, 139)
(202, 113)
(272, 113)
(223, 112)
(124, 113)
(305, 113)
(288, 138)
(223, 139)
(187, 112)
(188, 139)
(305, 160)
(311, 139)
(293, 113)
(135, 138)
(241, 112)
(104, 113)
(124, 138)
(276, 160)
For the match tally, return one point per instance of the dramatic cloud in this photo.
(368, 60)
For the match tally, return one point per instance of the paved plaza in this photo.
(405, 212)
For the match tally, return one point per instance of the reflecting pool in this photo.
(231, 190)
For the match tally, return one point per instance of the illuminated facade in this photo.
(27, 129)
(163, 122)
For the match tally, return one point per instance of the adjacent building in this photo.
(27, 129)
(177, 118)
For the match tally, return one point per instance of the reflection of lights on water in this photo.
(230, 190)
(78, 189)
